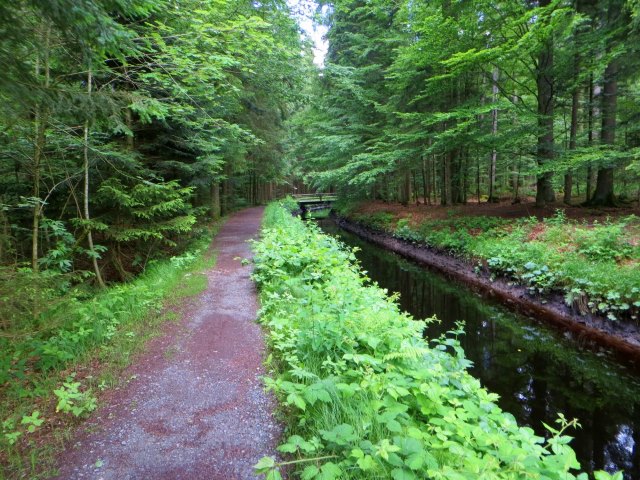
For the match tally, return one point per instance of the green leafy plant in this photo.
(363, 394)
(72, 400)
(289, 204)
(32, 421)
(378, 220)
(10, 434)
(539, 278)
(403, 230)
(595, 266)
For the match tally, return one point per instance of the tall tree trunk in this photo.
(603, 194)
(94, 257)
(425, 184)
(405, 187)
(434, 177)
(5, 235)
(455, 175)
(516, 181)
(226, 189)
(445, 198)
(478, 179)
(414, 191)
(593, 112)
(480, 120)
(573, 132)
(494, 132)
(256, 186)
(130, 141)
(545, 148)
(516, 173)
(39, 124)
(464, 167)
(40, 127)
(215, 200)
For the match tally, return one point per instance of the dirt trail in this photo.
(195, 408)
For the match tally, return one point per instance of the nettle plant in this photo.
(11, 431)
(365, 396)
(73, 400)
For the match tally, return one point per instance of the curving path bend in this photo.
(195, 407)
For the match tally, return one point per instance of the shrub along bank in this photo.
(364, 395)
(596, 266)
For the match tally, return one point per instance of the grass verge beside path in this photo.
(362, 393)
(594, 264)
(50, 381)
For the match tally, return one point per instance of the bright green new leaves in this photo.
(72, 400)
(166, 110)
(340, 435)
(33, 421)
(442, 97)
(296, 443)
(146, 211)
(378, 401)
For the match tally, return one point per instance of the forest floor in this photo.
(194, 405)
(502, 209)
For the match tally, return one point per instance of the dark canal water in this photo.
(536, 371)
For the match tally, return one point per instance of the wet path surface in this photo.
(195, 407)
(537, 372)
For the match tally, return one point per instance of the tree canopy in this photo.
(456, 101)
(124, 121)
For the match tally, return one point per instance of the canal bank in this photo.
(623, 339)
(537, 371)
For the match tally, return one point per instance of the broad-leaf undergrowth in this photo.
(594, 266)
(364, 395)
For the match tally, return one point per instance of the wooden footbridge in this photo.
(314, 201)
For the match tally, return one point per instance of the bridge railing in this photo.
(315, 196)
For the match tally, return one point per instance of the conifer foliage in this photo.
(124, 121)
(448, 102)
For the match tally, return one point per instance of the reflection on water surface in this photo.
(535, 370)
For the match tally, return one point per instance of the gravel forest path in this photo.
(195, 407)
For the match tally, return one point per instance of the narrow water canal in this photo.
(535, 370)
